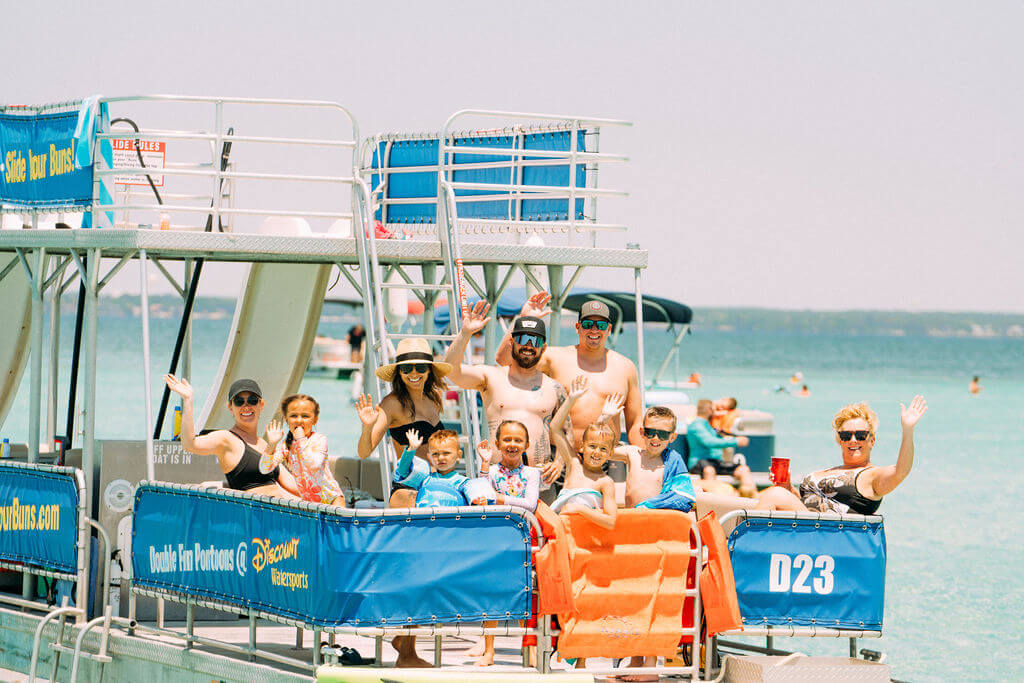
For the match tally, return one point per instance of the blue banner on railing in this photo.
(331, 569)
(807, 572)
(423, 184)
(38, 518)
(37, 161)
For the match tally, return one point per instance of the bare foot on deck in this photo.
(478, 649)
(407, 657)
(486, 659)
(412, 662)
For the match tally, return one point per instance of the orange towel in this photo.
(554, 580)
(628, 585)
(717, 583)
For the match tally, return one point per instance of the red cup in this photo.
(780, 471)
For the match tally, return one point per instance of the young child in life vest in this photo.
(588, 490)
(303, 451)
(442, 488)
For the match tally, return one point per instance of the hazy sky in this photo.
(783, 154)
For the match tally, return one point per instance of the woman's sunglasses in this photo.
(861, 434)
(599, 324)
(406, 368)
(662, 434)
(526, 339)
(253, 400)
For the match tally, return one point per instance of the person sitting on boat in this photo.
(517, 392)
(303, 451)
(856, 486)
(656, 477)
(706, 450)
(609, 371)
(725, 411)
(239, 448)
(442, 488)
(588, 490)
(415, 402)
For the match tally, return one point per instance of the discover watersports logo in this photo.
(266, 554)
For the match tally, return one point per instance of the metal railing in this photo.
(376, 153)
(769, 632)
(208, 170)
(191, 601)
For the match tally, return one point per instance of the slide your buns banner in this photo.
(37, 160)
(39, 517)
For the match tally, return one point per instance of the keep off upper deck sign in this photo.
(153, 154)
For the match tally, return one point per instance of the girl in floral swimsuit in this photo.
(304, 451)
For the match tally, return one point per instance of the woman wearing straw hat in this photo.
(414, 404)
(415, 401)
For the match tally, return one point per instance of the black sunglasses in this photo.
(406, 368)
(599, 324)
(652, 433)
(527, 339)
(253, 400)
(861, 434)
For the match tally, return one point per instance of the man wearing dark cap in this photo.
(517, 392)
(609, 372)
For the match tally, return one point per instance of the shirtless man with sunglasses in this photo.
(518, 392)
(608, 372)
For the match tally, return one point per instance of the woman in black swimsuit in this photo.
(415, 402)
(856, 486)
(237, 449)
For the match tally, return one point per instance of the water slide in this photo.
(16, 304)
(272, 332)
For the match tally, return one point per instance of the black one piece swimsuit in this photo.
(246, 474)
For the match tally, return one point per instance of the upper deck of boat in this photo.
(176, 245)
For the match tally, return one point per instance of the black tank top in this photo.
(246, 474)
(422, 426)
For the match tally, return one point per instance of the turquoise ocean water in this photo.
(954, 591)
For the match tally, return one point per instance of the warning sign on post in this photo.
(153, 154)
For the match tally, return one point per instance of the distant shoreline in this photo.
(724, 320)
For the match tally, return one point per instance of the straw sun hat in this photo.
(411, 351)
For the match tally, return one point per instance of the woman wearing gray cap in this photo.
(237, 449)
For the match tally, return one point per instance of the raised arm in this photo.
(888, 478)
(272, 456)
(634, 408)
(537, 306)
(468, 377)
(375, 425)
(214, 443)
(575, 390)
(404, 467)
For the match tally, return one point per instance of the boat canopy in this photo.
(623, 307)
